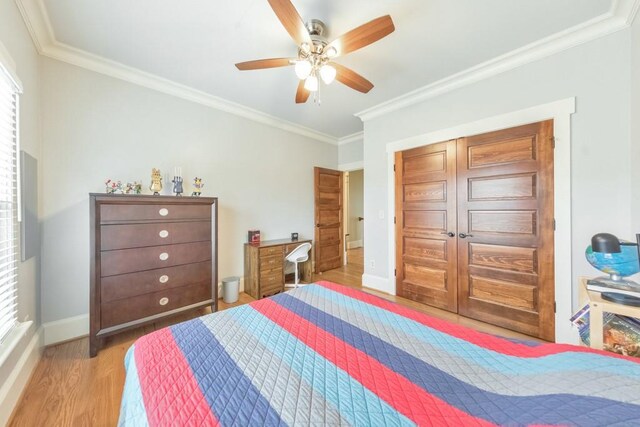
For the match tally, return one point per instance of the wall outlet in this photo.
(372, 263)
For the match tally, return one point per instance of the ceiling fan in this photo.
(316, 54)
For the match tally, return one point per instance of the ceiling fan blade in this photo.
(264, 63)
(302, 94)
(363, 35)
(350, 78)
(291, 20)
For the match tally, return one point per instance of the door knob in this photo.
(450, 233)
(464, 236)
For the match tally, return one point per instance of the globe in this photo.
(624, 263)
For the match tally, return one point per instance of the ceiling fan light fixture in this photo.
(305, 48)
(311, 84)
(316, 54)
(331, 52)
(303, 69)
(327, 73)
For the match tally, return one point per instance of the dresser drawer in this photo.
(269, 263)
(271, 251)
(159, 211)
(124, 261)
(271, 278)
(144, 282)
(139, 235)
(126, 310)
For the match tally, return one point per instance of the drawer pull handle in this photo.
(163, 212)
(164, 256)
(163, 233)
(164, 301)
(164, 278)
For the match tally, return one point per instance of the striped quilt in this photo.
(331, 355)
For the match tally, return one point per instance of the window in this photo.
(8, 205)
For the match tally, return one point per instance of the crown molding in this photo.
(8, 67)
(619, 17)
(83, 59)
(36, 19)
(358, 136)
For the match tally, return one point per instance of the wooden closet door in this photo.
(426, 256)
(505, 221)
(328, 216)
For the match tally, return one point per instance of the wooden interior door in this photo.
(426, 252)
(328, 216)
(506, 229)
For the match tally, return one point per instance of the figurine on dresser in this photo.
(197, 184)
(156, 182)
(177, 185)
(177, 181)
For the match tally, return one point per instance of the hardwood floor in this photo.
(355, 258)
(70, 389)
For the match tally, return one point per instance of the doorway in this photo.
(339, 235)
(354, 218)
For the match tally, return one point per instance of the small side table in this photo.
(598, 306)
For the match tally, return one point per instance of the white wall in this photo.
(596, 73)
(16, 40)
(635, 127)
(351, 152)
(356, 205)
(96, 127)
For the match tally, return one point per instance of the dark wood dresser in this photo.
(151, 257)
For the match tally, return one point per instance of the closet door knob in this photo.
(449, 233)
(464, 236)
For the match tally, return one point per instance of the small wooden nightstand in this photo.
(598, 306)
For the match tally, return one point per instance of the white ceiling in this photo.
(197, 42)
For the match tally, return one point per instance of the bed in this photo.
(332, 355)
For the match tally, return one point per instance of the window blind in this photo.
(8, 206)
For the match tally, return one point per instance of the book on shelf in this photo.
(621, 334)
(615, 287)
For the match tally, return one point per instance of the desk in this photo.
(264, 266)
(598, 306)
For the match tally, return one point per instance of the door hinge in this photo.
(553, 141)
(554, 224)
(395, 272)
(394, 167)
(554, 307)
(394, 219)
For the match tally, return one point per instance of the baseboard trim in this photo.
(355, 244)
(76, 327)
(66, 329)
(12, 388)
(382, 284)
